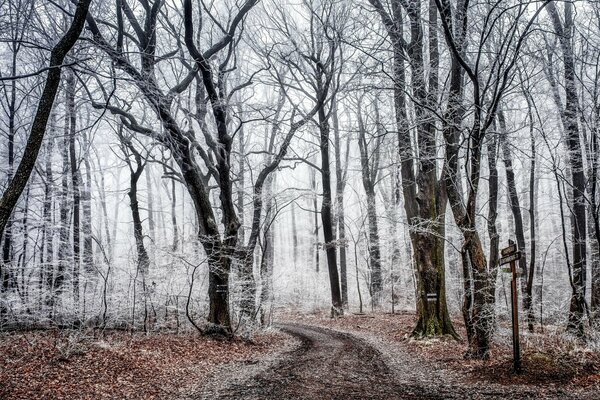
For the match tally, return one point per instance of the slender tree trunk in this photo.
(533, 217)
(518, 218)
(64, 250)
(369, 159)
(267, 259)
(294, 236)
(143, 260)
(47, 270)
(86, 205)
(241, 176)
(24, 251)
(492, 155)
(175, 245)
(5, 268)
(149, 191)
(75, 188)
(569, 119)
(340, 174)
(326, 211)
(315, 245)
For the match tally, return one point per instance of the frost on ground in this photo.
(305, 357)
(73, 365)
(553, 366)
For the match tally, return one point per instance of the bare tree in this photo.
(423, 191)
(18, 182)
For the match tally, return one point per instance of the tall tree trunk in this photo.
(518, 218)
(6, 272)
(326, 209)
(533, 217)
(241, 176)
(294, 236)
(340, 183)
(570, 123)
(268, 254)
(65, 206)
(23, 290)
(143, 260)
(75, 189)
(47, 269)
(369, 160)
(423, 192)
(594, 218)
(492, 155)
(478, 297)
(149, 191)
(175, 245)
(86, 205)
(315, 211)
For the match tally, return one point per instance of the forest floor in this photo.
(554, 366)
(306, 357)
(118, 365)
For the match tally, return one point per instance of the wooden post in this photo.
(511, 255)
(515, 319)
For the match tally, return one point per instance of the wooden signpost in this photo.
(510, 255)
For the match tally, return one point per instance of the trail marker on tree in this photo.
(511, 254)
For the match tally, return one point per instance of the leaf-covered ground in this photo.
(72, 365)
(117, 365)
(551, 360)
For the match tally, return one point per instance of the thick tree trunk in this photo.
(424, 194)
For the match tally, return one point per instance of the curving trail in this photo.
(327, 365)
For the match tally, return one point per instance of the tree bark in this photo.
(340, 184)
(86, 205)
(75, 189)
(326, 208)
(513, 195)
(570, 123)
(423, 192)
(369, 160)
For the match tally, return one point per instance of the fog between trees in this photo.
(206, 163)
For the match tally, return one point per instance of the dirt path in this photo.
(328, 365)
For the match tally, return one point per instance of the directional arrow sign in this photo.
(508, 250)
(512, 257)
